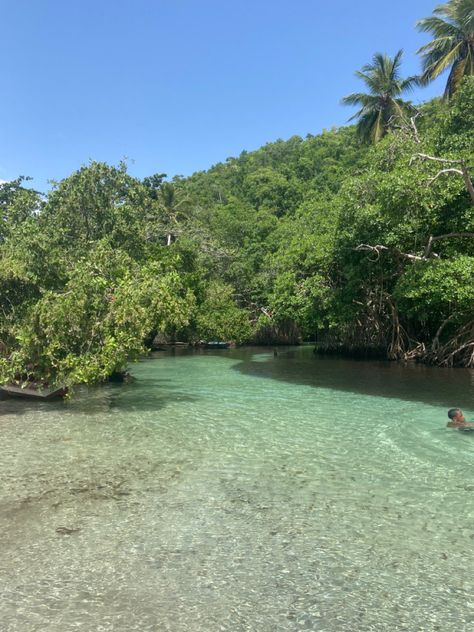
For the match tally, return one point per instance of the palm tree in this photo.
(382, 107)
(452, 46)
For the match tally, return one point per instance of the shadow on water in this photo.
(142, 395)
(411, 382)
(294, 365)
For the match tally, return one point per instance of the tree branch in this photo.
(432, 239)
(436, 159)
(414, 127)
(406, 126)
(443, 171)
(378, 249)
(435, 343)
(463, 171)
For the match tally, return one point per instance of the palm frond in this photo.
(408, 84)
(452, 27)
(366, 126)
(396, 62)
(440, 63)
(357, 98)
(439, 27)
(382, 105)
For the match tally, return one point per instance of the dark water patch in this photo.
(410, 382)
(143, 395)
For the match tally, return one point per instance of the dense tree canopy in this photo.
(363, 248)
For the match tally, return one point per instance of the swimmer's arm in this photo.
(466, 424)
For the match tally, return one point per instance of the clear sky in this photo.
(178, 85)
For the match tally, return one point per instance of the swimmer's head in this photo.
(455, 414)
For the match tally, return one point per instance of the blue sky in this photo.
(178, 85)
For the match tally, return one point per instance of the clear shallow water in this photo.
(235, 491)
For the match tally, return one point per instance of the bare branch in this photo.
(378, 249)
(456, 351)
(405, 125)
(414, 128)
(443, 171)
(463, 172)
(435, 343)
(436, 159)
(428, 254)
(432, 239)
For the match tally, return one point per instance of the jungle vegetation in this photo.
(360, 238)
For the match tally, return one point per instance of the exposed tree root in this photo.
(379, 331)
(457, 351)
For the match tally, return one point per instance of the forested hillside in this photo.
(363, 248)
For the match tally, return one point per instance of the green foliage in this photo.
(300, 284)
(17, 204)
(319, 236)
(99, 320)
(434, 290)
(219, 318)
(456, 135)
(267, 188)
(98, 202)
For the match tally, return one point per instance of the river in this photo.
(238, 490)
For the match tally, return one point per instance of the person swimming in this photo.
(457, 420)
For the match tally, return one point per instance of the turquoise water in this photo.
(238, 491)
